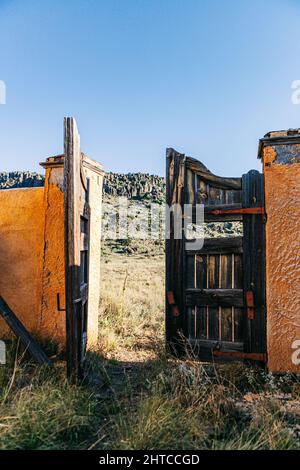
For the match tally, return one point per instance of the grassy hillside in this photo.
(133, 396)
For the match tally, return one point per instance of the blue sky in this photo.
(208, 77)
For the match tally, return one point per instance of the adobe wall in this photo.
(52, 321)
(281, 166)
(32, 253)
(22, 217)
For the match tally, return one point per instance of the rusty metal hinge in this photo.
(250, 304)
(172, 303)
(245, 210)
(241, 355)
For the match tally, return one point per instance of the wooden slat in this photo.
(201, 191)
(191, 272)
(201, 322)
(213, 281)
(190, 185)
(72, 240)
(220, 246)
(191, 317)
(216, 181)
(215, 297)
(223, 207)
(238, 324)
(20, 331)
(226, 282)
(216, 196)
(206, 348)
(208, 217)
(221, 345)
(225, 272)
(226, 324)
(213, 322)
(238, 271)
(201, 271)
(213, 271)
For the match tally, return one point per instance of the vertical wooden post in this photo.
(175, 173)
(72, 241)
(254, 263)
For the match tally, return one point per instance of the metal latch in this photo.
(58, 305)
(172, 303)
(250, 305)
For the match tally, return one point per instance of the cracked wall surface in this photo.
(282, 199)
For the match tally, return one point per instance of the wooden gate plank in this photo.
(215, 297)
(220, 246)
(254, 261)
(175, 176)
(72, 241)
(216, 181)
(20, 331)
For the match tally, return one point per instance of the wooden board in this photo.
(175, 325)
(20, 331)
(77, 220)
(254, 262)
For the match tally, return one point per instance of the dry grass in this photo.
(132, 305)
(40, 410)
(134, 396)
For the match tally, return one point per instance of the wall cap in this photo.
(58, 162)
(287, 137)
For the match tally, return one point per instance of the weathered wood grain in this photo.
(175, 178)
(216, 181)
(215, 297)
(220, 246)
(254, 262)
(77, 239)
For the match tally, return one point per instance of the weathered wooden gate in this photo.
(77, 239)
(215, 295)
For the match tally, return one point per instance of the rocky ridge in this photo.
(131, 185)
(20, 179)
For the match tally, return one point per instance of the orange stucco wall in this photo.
(52, 321)
(282, 199)
(22, 218)
(32, 254)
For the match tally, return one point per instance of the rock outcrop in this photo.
(20, 179)
(135, 186)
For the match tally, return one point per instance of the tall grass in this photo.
(39, 409)
(134, 395)
(190, 406)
